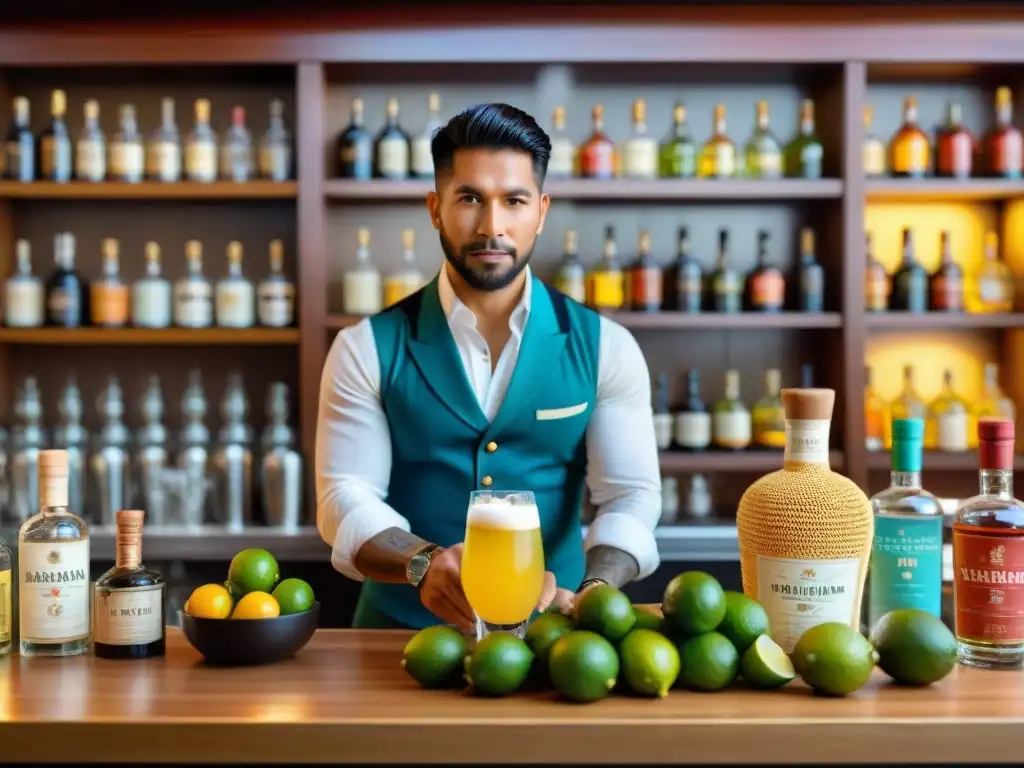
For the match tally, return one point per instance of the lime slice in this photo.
(766, 665)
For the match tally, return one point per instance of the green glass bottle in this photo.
(677, 155)
(804, 153)
(763, 156)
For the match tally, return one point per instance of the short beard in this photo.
(486, 279)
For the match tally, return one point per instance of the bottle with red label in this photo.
(1004, 145)
(766, 286)
(597, 155)
(954, 146)
(946, 285)
(644, 279)
(988, 559)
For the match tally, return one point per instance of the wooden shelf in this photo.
(148, 190)
(941, 321)
(677, 462)
(937, 190)
(148, 336)
(937, 461)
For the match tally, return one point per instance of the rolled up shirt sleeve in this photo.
(353, 450)
(623, 473)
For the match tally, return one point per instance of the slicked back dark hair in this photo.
(492, 126)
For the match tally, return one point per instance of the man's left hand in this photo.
(563, 599)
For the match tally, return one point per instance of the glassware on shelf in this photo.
(946, 285)
(731, 422)
(910, 282)
(571, 277)
(19, 153)
(910, 151)
(407, 279)
(193, 294)
(876, 415)
(640, 151)
(693, 422)
(23, 292)
(91, 147)
(362, 293)
(355, 146)
(769, 416)
(877, 286)
(725, 284)
(643, 279)
(237, 156)
(677, 155)
(391, 149)
(907, 405)
(201, 147)
(804, 154)
(955, 146)
(949, 420)
(109, 297)
(809, 285)
(275, 151)
(597, 153)
(127, 161)
(606, 283)
(163, 152)
(422, 159)
(994, 404)
(562, 162)
(234, 295)
(873, 150)
(1004, 144)
(684, 279)
(275, 295)
(718, 155)
(993, 285)
(765, 285)
(151, 295)
(762, 157)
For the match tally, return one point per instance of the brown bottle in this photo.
(946, 286)
(1004, 145)
(954, 150)
(644, 279)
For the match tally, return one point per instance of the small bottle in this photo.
(810, 276)
(640, 153)
(67, 304)
(804, 153)
(355, 147)
(407, 279)
(193, 295)
(730, 422)
(201, 147)
(949, 420)
(643, 280)
(275, 152)
(127, 160)
(873, 151)
(606, 285)
(693, 422)
(726, 288)
(55, 152)
(562, 161)
(1004, 144)
(910, 152)
(684, 279)
(662, 414)
(163, 152)
(910, 283)
(23, 292)
(391, 149)
(766, 285)
(677, 156)
(422, 157)
(718, 155)
(237, 162)
(91, 147)
(275, 295)
(109, 296)
(128, 600)
(763, 156)
(151, 295)
(597, 153)
(235, 299)
(954, 151)
(768, 416)
(19, 146)
(907, 405)
(876, 281)
(993, 286)
(571, 277)
(994, 404)
(876, 415)
(946, 286)
(362, 285)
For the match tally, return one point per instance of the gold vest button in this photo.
(486, 480)
(492, 447)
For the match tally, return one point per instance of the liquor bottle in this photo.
(640, 153)
(726, 287)
(19, 159)
(873, 150)
(235, 301)
(163, 152)
(407, 279)
(281, 467)
(391, 149)
(151, 295)
(562, 161)
(55, 143)
(949, 419)
(151, 457)
(194, 451)
(954, 150)
(111, 470)
(23, 292)
(693, 422)
(907, 405)
(643, 280)
(804, 153)
(662, 415)
(597, 154)
(876, 412)
(109, 296)
(606, 283)
(232, 461)
(804, 529)
(422, 157)
(193, 295)
(71, 436)
(718, 155)
(988, 559)
(29, 438)
(66, 292)
(877, 286)
(91, 147)
(275, 150)
(571, 277)
(1004, 144)
(201, 147)
(946, 286)
(765, 286)
(275, 295)
(6, 601)
(53, 548)
(994, 404)
(128, 600)
(910, 282)
(684, 279)
(909, 150)
(362, 288)
(809, 281)
(237, 162)
(127, 162)
(906, 557)
(730, 420)
(763, 158)
(677, 155)
(993, 286)
(355, 147)
(768, 416)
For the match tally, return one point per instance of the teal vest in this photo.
(439, 434)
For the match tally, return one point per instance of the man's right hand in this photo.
(441, 589)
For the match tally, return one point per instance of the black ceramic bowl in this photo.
(238, 642)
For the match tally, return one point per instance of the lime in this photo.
(545, 630)
(707, 662)
(254, 570)
(650, 662)
(605, 610)
(834, 659)
(257, 605)
(434, 656)
(914, 647)
(210, 601)
(648, 617)
(766, 665)
(583, 666)
(499, 664)
(294, 596)
(745, 620)
(694, 603)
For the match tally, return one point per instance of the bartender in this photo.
(484, 379)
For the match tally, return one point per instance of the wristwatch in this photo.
(417, 567)
(589, 582)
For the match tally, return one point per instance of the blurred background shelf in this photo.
(674, 462)
(148, 336)
(944, 190)
(937, 461)
(147, 190)
(942, 321)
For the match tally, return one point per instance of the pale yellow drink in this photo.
(503, 559)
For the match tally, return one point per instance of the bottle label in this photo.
(663, 430)
(645, 287)
(607, 290)
(947, 292)
(731, 429)
(574, 286)
(55, 157)
(192, 305)
(90, 163)
(641, 159)
(423, 159)
(362, 293)
(807, 440)
(993, 290)
(906, 565)
(133, 616)
(54, 591)
(23, 305)
(163, 161)
(235, 306)
(765, 164)
(236, 161)
(693, 430)
(277, 305)
(810, 161)
(725, 161)
(955, 155)
(126, 161)
(357, 160)
(20, 160)
(393, 158)
(109, 304)
(275, 162)
(911, 155)
(151, 304)
(800, 594)
(690, 287)
(63, 306)
(989, 587)
(874, 158)
(598, 161)
(768, 290)
(876, 291)
(952, 431)
(201, 161)
(561, 161)
(1007, 151)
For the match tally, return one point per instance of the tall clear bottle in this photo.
(163, 152)
(422, 161)
(362, 284)
(19, 145)
(127, 160)
(91, 147)
(201, 147)
(275, 295)
(151, 295)
(237, 161)
(235, 295)
(275, 151)
(53, 568)
(193, 295)
(23, 292)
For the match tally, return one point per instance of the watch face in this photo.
(417, 569)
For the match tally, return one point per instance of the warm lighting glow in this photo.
(930, 354)
(281, 708)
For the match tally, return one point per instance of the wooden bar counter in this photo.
(344, 698)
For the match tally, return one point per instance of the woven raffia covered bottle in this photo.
(805, 532)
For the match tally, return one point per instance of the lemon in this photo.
(257, 605)
(210, 601)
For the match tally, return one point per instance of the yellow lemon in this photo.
(210, 601)
(257, 605)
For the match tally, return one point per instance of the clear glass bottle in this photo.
(763, 157)
(127, 160)
(677, 155)
(718, 155)
(606, 284)
(994, 403)
(873, 151)
(275, 151)
(1004, 143)
(163, 152)
(949, 419)
(571, 277)
(768, 416)
(275, 295)
(19, 145)
(391, 149)
(907, 405)
(151, 295)
(237, 161)
(562, 161)
(109, 296)
(946, 284)
(730, 420)
(954, 146)
(193, 294)
(91, 147)
(992, 287)
(201, 147)
(235, 297)
(53, 549)
(362, 294)
(422, 161)
(662, 414)
(640, 152)
(23, 292)
(55, 152)
(407, 279)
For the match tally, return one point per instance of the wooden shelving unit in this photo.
(220, 190)
(678, 462)
(65, 337)
(905, 321)
(942, 190)
(937, 461)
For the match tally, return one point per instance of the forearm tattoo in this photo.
(612, 565)
(384, 557)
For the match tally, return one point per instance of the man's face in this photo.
(488, 210)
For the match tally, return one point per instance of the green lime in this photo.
(605, 610)
(694, 603)
(650, 662)
(254, 570)
(648, 617)
(745, 620)
(834, 659)
(914, 647)
(583, 666)
(434, 656)
(544, 631)
(707, 662)
(235, 591)
(294, 596)
(499, 664)
(766, 665)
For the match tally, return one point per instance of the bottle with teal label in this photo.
(906, 558)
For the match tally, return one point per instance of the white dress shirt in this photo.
(353, 443)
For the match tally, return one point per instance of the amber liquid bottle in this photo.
(876, 281)
(644, 279)
(910, 153)
(597, 155)
(1004, 145)
(954, 150)
(946, 286)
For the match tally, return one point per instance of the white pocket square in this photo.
(550, 414)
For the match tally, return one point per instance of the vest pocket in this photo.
(552, 414)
